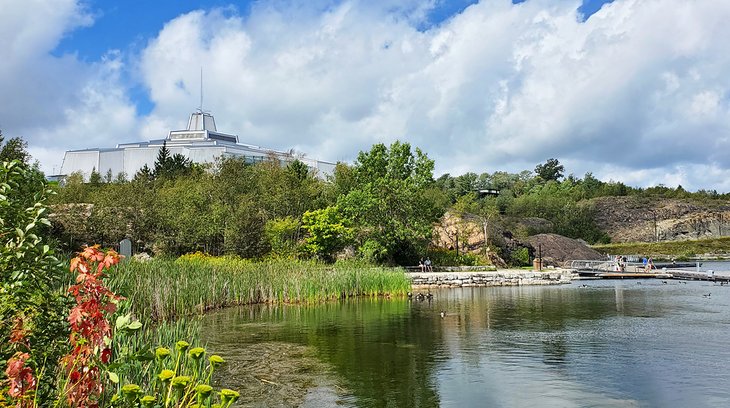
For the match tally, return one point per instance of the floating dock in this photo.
(632, 275)
(704, 276)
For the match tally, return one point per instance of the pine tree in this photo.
(144, 174)
(162, 163)
(95, 177)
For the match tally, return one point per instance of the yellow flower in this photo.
(147, 401)
(196, 352)
(162, 353)
(216, 360)
(131, 391)
(166, 375)
(204, 390)
(182, 345)
(228, 397)
(181, 381)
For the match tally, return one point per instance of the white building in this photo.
(200, 142)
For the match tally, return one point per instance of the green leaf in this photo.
(135, 325)
(113, 377)
(123, 321)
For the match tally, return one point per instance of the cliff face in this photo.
(633, 219)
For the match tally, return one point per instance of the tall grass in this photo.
(162, 290)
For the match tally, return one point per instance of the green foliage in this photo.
(164, 289)
(520, 257)
(445, 257)
(170, 166)
(30, 274)
(557, 203)
(14, 149)
(387, 199)
(282, 235)
(550, 170)
(166, 373)
(326, 232)
(186, 220)
(144, 175)
(95, 178)
(390, 209)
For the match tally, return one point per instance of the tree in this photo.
(14, 149)
(326, 232)
(483, 211)
(144, 174)
(282, 235)
(163, 155)
(122, 177)
(171, 166)
(188, 219)
(550, 170)
(94, 177)
(392, 209)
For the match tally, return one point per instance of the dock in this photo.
(611, 269)
(633, 275)
(723, 277)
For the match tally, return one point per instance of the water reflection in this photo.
(612, 343)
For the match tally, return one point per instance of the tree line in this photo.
(383, 207)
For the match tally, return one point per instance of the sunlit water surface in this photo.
(612, 343)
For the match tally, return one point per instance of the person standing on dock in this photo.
(649, 265)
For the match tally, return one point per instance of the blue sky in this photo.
(630, 90)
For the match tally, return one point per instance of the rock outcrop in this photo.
(636, 219)
(557, 249)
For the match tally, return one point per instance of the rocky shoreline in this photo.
(502, 277)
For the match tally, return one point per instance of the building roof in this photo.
(201, 142)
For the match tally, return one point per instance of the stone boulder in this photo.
(557, 250)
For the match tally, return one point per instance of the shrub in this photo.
(31, 306)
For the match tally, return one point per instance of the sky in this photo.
(635, 91)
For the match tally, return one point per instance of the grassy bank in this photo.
(717, 247)
(161, 290)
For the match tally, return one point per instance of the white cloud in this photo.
(637, 93)
(57, 102)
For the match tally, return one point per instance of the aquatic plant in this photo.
(163, 289)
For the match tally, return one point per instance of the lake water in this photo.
(613, 343)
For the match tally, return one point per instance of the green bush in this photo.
(445, 257)
(31, 302)
(520, 257)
